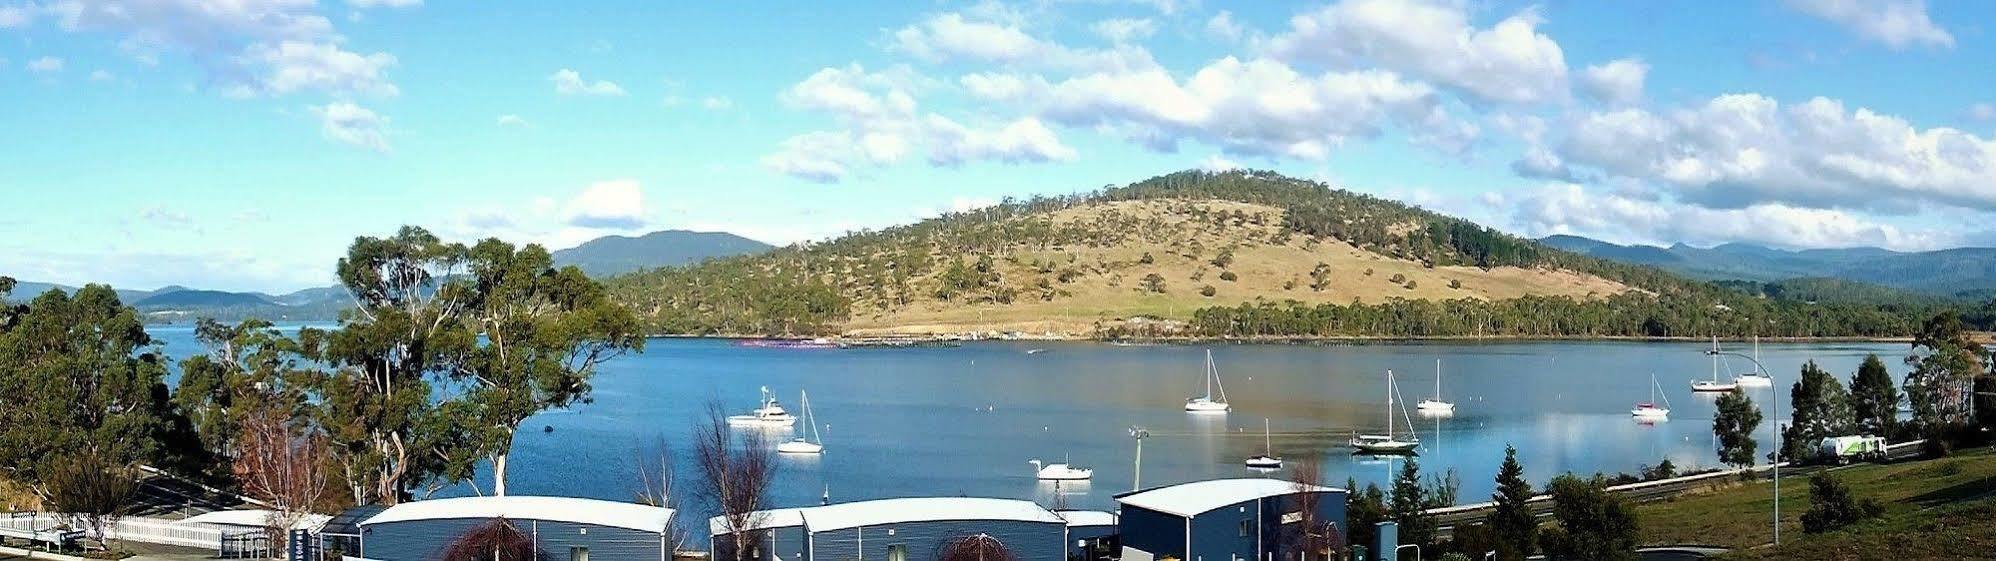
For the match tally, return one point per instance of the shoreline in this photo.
(1276, 340)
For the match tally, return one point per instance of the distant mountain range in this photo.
(1960, 272)
(614, 255)
(601, 257)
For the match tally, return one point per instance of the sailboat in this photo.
(769, 415)
(1388, 443)
(1754, 379)
(800, 445)
(1060, 472)
(1207, 404)
(1715, 385)
(1648, 411)
(1435, 406)
(1267, 459)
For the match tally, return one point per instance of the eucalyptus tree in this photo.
(1734, 424)
(248, 368)
(542, 332)
(1945, 363)
(1874, 400)
(1822, 409)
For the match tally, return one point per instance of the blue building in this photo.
(1227, 520)
(1091, 535)
(565, 529)
(911, 529)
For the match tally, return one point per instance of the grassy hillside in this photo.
(1207, 248)
(614, 255)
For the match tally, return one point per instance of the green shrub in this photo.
(1831, 505)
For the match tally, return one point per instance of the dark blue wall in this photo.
(423, 540)
(1216, 534)
(1032, 541)
(773, 544)
(1152, 531)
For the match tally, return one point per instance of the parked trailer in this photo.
(1844, 449)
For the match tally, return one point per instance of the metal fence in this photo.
(138, 529)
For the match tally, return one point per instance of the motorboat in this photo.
(1388, 443)
(1434, 406)
(1267, 460)
(770, 415)
(1649, 411)
(1060, 472)
(1206, 403)
(815, 444)
(1714, 385)
(1754, 379)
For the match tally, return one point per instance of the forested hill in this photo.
(1240, 253)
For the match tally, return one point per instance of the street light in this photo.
(1775, 398)
(1139, 433)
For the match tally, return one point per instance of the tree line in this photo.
(448, 348)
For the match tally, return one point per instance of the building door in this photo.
(578, 553)
(897, 552)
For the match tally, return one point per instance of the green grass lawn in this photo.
(1936, 506)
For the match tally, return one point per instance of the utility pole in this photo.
(1139, 433)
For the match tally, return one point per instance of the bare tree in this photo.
(978, 547)
(282, 462)
(91, 491)
(735, 472)
(498, 540)
(653, 485)
(1313, 538)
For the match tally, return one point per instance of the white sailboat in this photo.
(1714, 385)
(1060, 472)
(1207, 404)
(1435, 406)
(1267, 460)
(801, 445)
(1648, 411)
(1388, 443)
(1753, 379)
(769, 415)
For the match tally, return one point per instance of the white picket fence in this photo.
(138, 529)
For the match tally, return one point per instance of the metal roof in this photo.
(897, 511)
(558, 509)
(254, 518)
(773, 518)
(1195, 498)
(1087, 517)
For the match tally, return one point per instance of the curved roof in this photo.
(560, 509)
(1198, 497)
(1087, 517)
(253, 518)
(772, 518)
(921, 509)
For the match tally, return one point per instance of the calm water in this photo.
(964, 421)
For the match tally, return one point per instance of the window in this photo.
(1247, 528)
(578, 554)
(897, 552)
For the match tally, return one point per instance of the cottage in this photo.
(1228, 520)
(906, 529)
(563, 529)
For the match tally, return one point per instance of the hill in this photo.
(190, 298)
(1961, 272)
(1232, 254)
(613, 255)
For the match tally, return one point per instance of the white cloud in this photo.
(1023, 141)
(248, 47)
(1743, 149)
(1619, 82)
(364, 4)
(718, 103)
(1895, 23)
(1433, 40)
(1004, 87)
(956, 37)
(12, 16)
(1222, 25)
(1217, 163)
(570, 82)
(45, 64)
(1565, 208)
(101, 76)
(1124, 30)
(166, 217)
(814, 156)
(617, 204)
(1541, 163)
(510, 120)
(352, 124)
(880, 123)
(1982, 111)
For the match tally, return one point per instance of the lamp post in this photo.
(1775, 398)
(1137, 482)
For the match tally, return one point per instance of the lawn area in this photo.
(1924, 496)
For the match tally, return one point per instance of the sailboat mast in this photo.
(1267, 442)
(1715, 359)
(1438, 379)
(1389, 404)
(1209, 374)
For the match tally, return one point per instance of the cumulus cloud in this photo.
(717, 103)
(1982, 111)
(955, 36)
(1566, 208)
(101, 76)
(1222, 25)
(1897, 24)
(512, 121)
(815, 156)
(351, 124)
(1619, 82)
(1540, 163)
(1023, 141)
(1124, 30)
(249, 47)
(609, 205)
(45, 64)
(1744, 149)
(1004, 87)
(1432, 40)
(570, 82)
(12, 16)
(364, 4)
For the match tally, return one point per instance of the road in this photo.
(1449, 517)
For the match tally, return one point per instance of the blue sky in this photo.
(242, 144)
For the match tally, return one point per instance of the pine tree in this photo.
(1410, 505)
(1822, 409)
(1512, 521)
(1874, 399)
